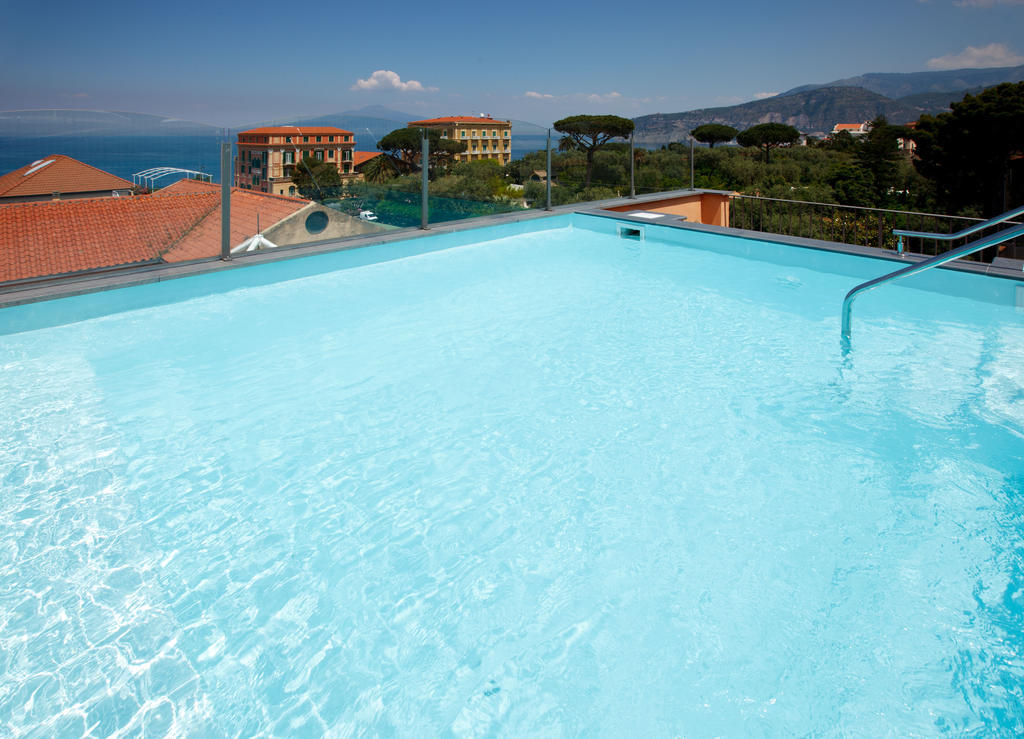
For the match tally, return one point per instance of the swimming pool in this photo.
(542, 480)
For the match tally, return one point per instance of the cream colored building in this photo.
(485, 138)
(266, 156)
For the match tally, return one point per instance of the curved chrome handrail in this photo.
(949, 256)
(901, 232)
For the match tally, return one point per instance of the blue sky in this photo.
(232, 63)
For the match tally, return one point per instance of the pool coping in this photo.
(872, 252)
(62, 286)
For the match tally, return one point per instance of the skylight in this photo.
(37, 166)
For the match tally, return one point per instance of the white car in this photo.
(367, 215)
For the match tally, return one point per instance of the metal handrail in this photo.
(959, 234)
(949, 256)
(855, 207)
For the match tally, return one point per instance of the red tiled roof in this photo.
(847, 126)
(296, 130)
(58, 173)
(60, 236)
(247, 207)
(455, 119)
(361, 157)
(179, 223)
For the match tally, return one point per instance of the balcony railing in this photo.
(849, 224)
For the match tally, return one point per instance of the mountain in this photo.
(812, 111)
(74, 122)
(900, 85)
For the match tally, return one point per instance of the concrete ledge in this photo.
(1004, 268)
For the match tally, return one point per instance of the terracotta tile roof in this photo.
(247, 207)
(61, 236)
(456, 119)
(848, 126)
(179, 223)
(58, 173)
(296, 130)
(361, 157)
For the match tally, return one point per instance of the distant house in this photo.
(854, 129)
(360, 158)
(485, 137)
(178, 223)
(908, 144)
(60, 177)
(267, 156)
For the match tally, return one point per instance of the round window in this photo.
(316, 222)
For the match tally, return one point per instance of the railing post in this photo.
(548, 178)
(632, 181)
(425, 182)
(691, 163)
(226, 176)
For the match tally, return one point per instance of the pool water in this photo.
(556, 483)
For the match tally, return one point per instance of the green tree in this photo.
(842, 141)
(381, 168)
(768, 136)
(972, 153)
(316, 180)
(403, 145)
(878, 157)
(591, 132)
(714, 133)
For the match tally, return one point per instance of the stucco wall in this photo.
(703, 207)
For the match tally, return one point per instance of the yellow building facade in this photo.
(485, 138)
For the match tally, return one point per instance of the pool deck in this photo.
(82, 283)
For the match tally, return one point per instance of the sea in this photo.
(128, 155)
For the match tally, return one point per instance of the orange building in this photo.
(266, 156)
(485, 138)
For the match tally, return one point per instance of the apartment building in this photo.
(485, 137)
(266, 156)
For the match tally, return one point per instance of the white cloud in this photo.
(974, 57)
(986, 3)
(385, 79)
(764, 95)
(606, 98)
(538, 95)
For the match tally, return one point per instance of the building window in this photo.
(291, 190)
(330, 153)
(506, 133)
(494, 134)
(485, 146)
(318, 139)
(346, 138)
(463, 132)
(348, 168)
(305, 139)
(330, 139)
(316, 222)
(346, 155)
(287, 139)
(289, 157)
(319, 155)
(305, 155)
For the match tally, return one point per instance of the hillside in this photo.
(900, 85)
(812, 111)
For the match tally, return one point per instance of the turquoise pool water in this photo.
(554, 483)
